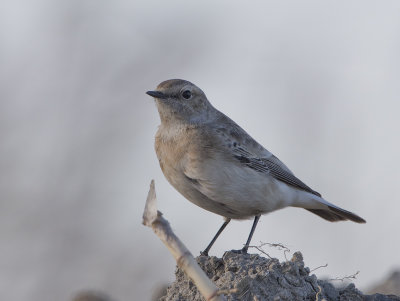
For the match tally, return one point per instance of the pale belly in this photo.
(231, 191)
(218, 183)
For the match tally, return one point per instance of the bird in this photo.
(218, 166)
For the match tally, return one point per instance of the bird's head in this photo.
(181, 101)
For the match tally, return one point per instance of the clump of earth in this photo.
(257, 278)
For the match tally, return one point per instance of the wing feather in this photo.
(272, 166)
(252, 154)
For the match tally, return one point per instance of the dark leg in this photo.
(246, 246)
(205, 252)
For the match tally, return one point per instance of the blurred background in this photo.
(315, 82)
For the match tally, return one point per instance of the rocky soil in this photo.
(257, 278)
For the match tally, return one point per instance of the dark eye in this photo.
(186, 94)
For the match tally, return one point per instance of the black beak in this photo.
(157, 94)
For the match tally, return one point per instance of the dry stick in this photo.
(279, 246)
(321, 266)
(318, 293)
(354, 276)
(259, 249)
(274, 245)
(184, 259)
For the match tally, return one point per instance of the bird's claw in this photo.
(204, 253)
(242, 251)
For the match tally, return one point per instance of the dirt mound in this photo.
(257, 278)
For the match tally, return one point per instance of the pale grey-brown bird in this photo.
(216, 165)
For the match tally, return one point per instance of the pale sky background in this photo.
(316, 82)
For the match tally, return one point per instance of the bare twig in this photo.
(261, 250)
(354, 276)
(279, 246)
(184, 259)
(318, 293)
(321, 266)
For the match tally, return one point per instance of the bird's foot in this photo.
(204, 253)
(241, 251)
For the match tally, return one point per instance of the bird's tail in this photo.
(334, 214)
(321, 207)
